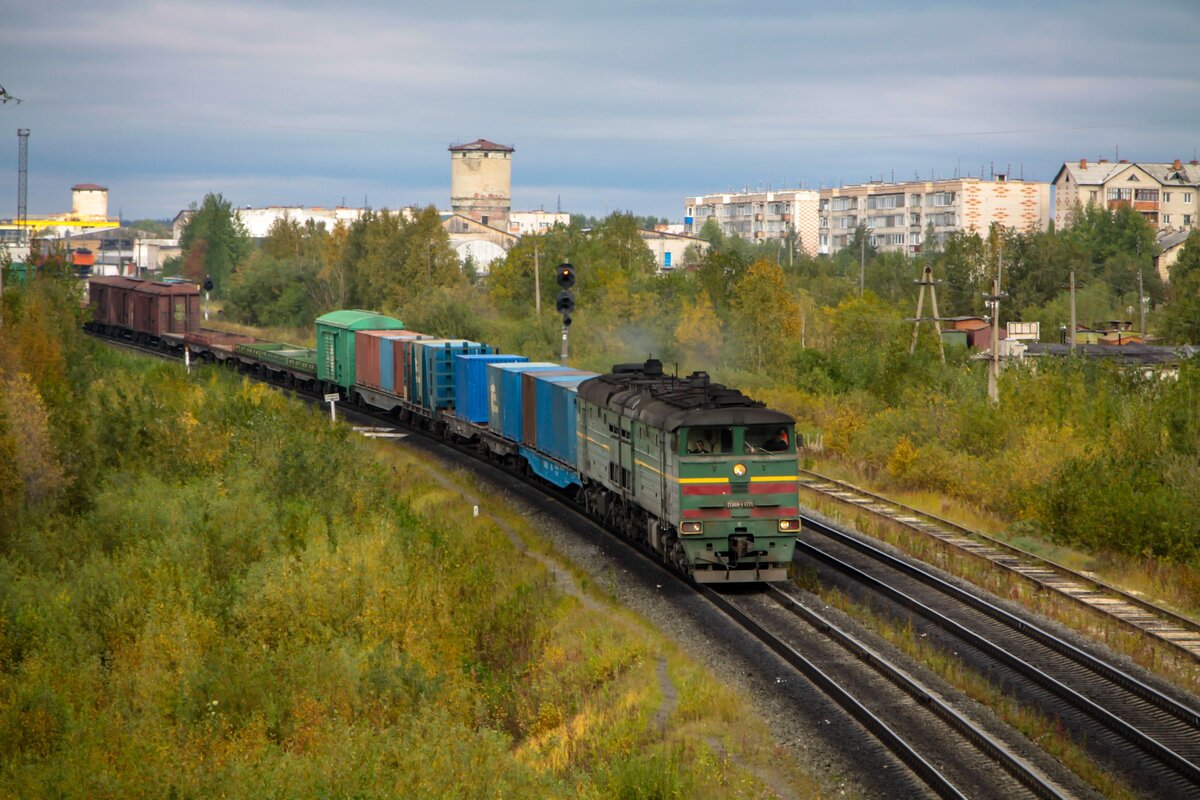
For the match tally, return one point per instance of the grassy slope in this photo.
(275, 609)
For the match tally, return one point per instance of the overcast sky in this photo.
(610, 104)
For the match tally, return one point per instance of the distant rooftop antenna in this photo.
(22, 183)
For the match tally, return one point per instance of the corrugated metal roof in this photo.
(1185, 175)
(482, 144)
(1168, 239)
(1093, 174)
(357, 320)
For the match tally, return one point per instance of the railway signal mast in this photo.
(565, 277)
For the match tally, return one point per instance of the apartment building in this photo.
(1166, 194)
(897, 215)
(757, 216)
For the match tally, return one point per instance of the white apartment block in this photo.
(1166, 194)
(523, 223)
(897, 215)
(757, 216)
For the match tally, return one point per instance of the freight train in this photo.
(695, 472)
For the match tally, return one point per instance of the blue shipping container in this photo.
(470, 384)
(556, 415)
(529, 394)
(504, 395)
(433, 369)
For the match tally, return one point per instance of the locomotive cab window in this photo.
(706, 441)
(768, 439)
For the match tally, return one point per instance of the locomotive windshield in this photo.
(705, 441)
(768, 439)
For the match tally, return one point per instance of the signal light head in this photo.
(565, 276)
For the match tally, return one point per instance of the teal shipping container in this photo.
(433, 369)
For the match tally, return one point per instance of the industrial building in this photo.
(89, 212)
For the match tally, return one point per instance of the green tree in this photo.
(766, 317)
(699, 334)
(711, 232)
(962, 265)
(214, 242)
(1179, 320)
(278, 285)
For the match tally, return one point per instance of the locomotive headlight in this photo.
(691, 527)
(739, 470)
(789, 525)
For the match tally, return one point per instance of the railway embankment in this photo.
(208, 589)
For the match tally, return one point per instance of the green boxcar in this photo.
(335, 342)
(702, 474)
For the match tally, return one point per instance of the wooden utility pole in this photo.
(1142, 305)
(537, 281)
(862, 266)
(993, 300)
(1071, 332)
(927, 280)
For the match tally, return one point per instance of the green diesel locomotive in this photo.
(699, 473)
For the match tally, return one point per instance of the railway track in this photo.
(1145, 732)
(1174, 632)
(938, 743)
(1023, 778)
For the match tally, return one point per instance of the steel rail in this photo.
(1143, 740)
(900, 747)
(1012, 763)
(1165, 614)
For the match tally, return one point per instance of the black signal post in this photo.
(565, 278)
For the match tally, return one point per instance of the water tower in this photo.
(481, 182)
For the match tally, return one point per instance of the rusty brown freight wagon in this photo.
(109, 300)
(163, 308)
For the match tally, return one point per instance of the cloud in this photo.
(610, 104)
